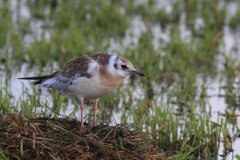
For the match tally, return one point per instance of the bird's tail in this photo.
(39, 79)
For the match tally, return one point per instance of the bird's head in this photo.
(122, 67)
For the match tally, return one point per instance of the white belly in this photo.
(88, 88)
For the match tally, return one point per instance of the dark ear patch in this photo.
(115, 65)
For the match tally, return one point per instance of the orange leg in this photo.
(82, 109)
(95, 110)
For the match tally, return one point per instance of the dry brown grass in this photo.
(55, 138)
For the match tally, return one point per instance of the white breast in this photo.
(89, 89)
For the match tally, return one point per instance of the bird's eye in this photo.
(124, 66)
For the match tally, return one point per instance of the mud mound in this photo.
(56, 138)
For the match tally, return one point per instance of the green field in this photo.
(189, 51)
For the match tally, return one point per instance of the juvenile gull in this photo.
(88, 78)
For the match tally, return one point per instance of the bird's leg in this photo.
(95, 110)
(82, 109)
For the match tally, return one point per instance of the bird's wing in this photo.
(74, 69)
(81, 67)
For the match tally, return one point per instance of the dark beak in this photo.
(136, 72)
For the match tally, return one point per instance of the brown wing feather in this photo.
(64, 78)
(101, 58)
(77, 68)
(78, 65)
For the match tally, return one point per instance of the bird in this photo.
(87, 78)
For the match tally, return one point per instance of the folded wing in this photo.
(60, 80)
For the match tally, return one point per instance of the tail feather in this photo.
(37, 82)
(34, 78)
(39, 79)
